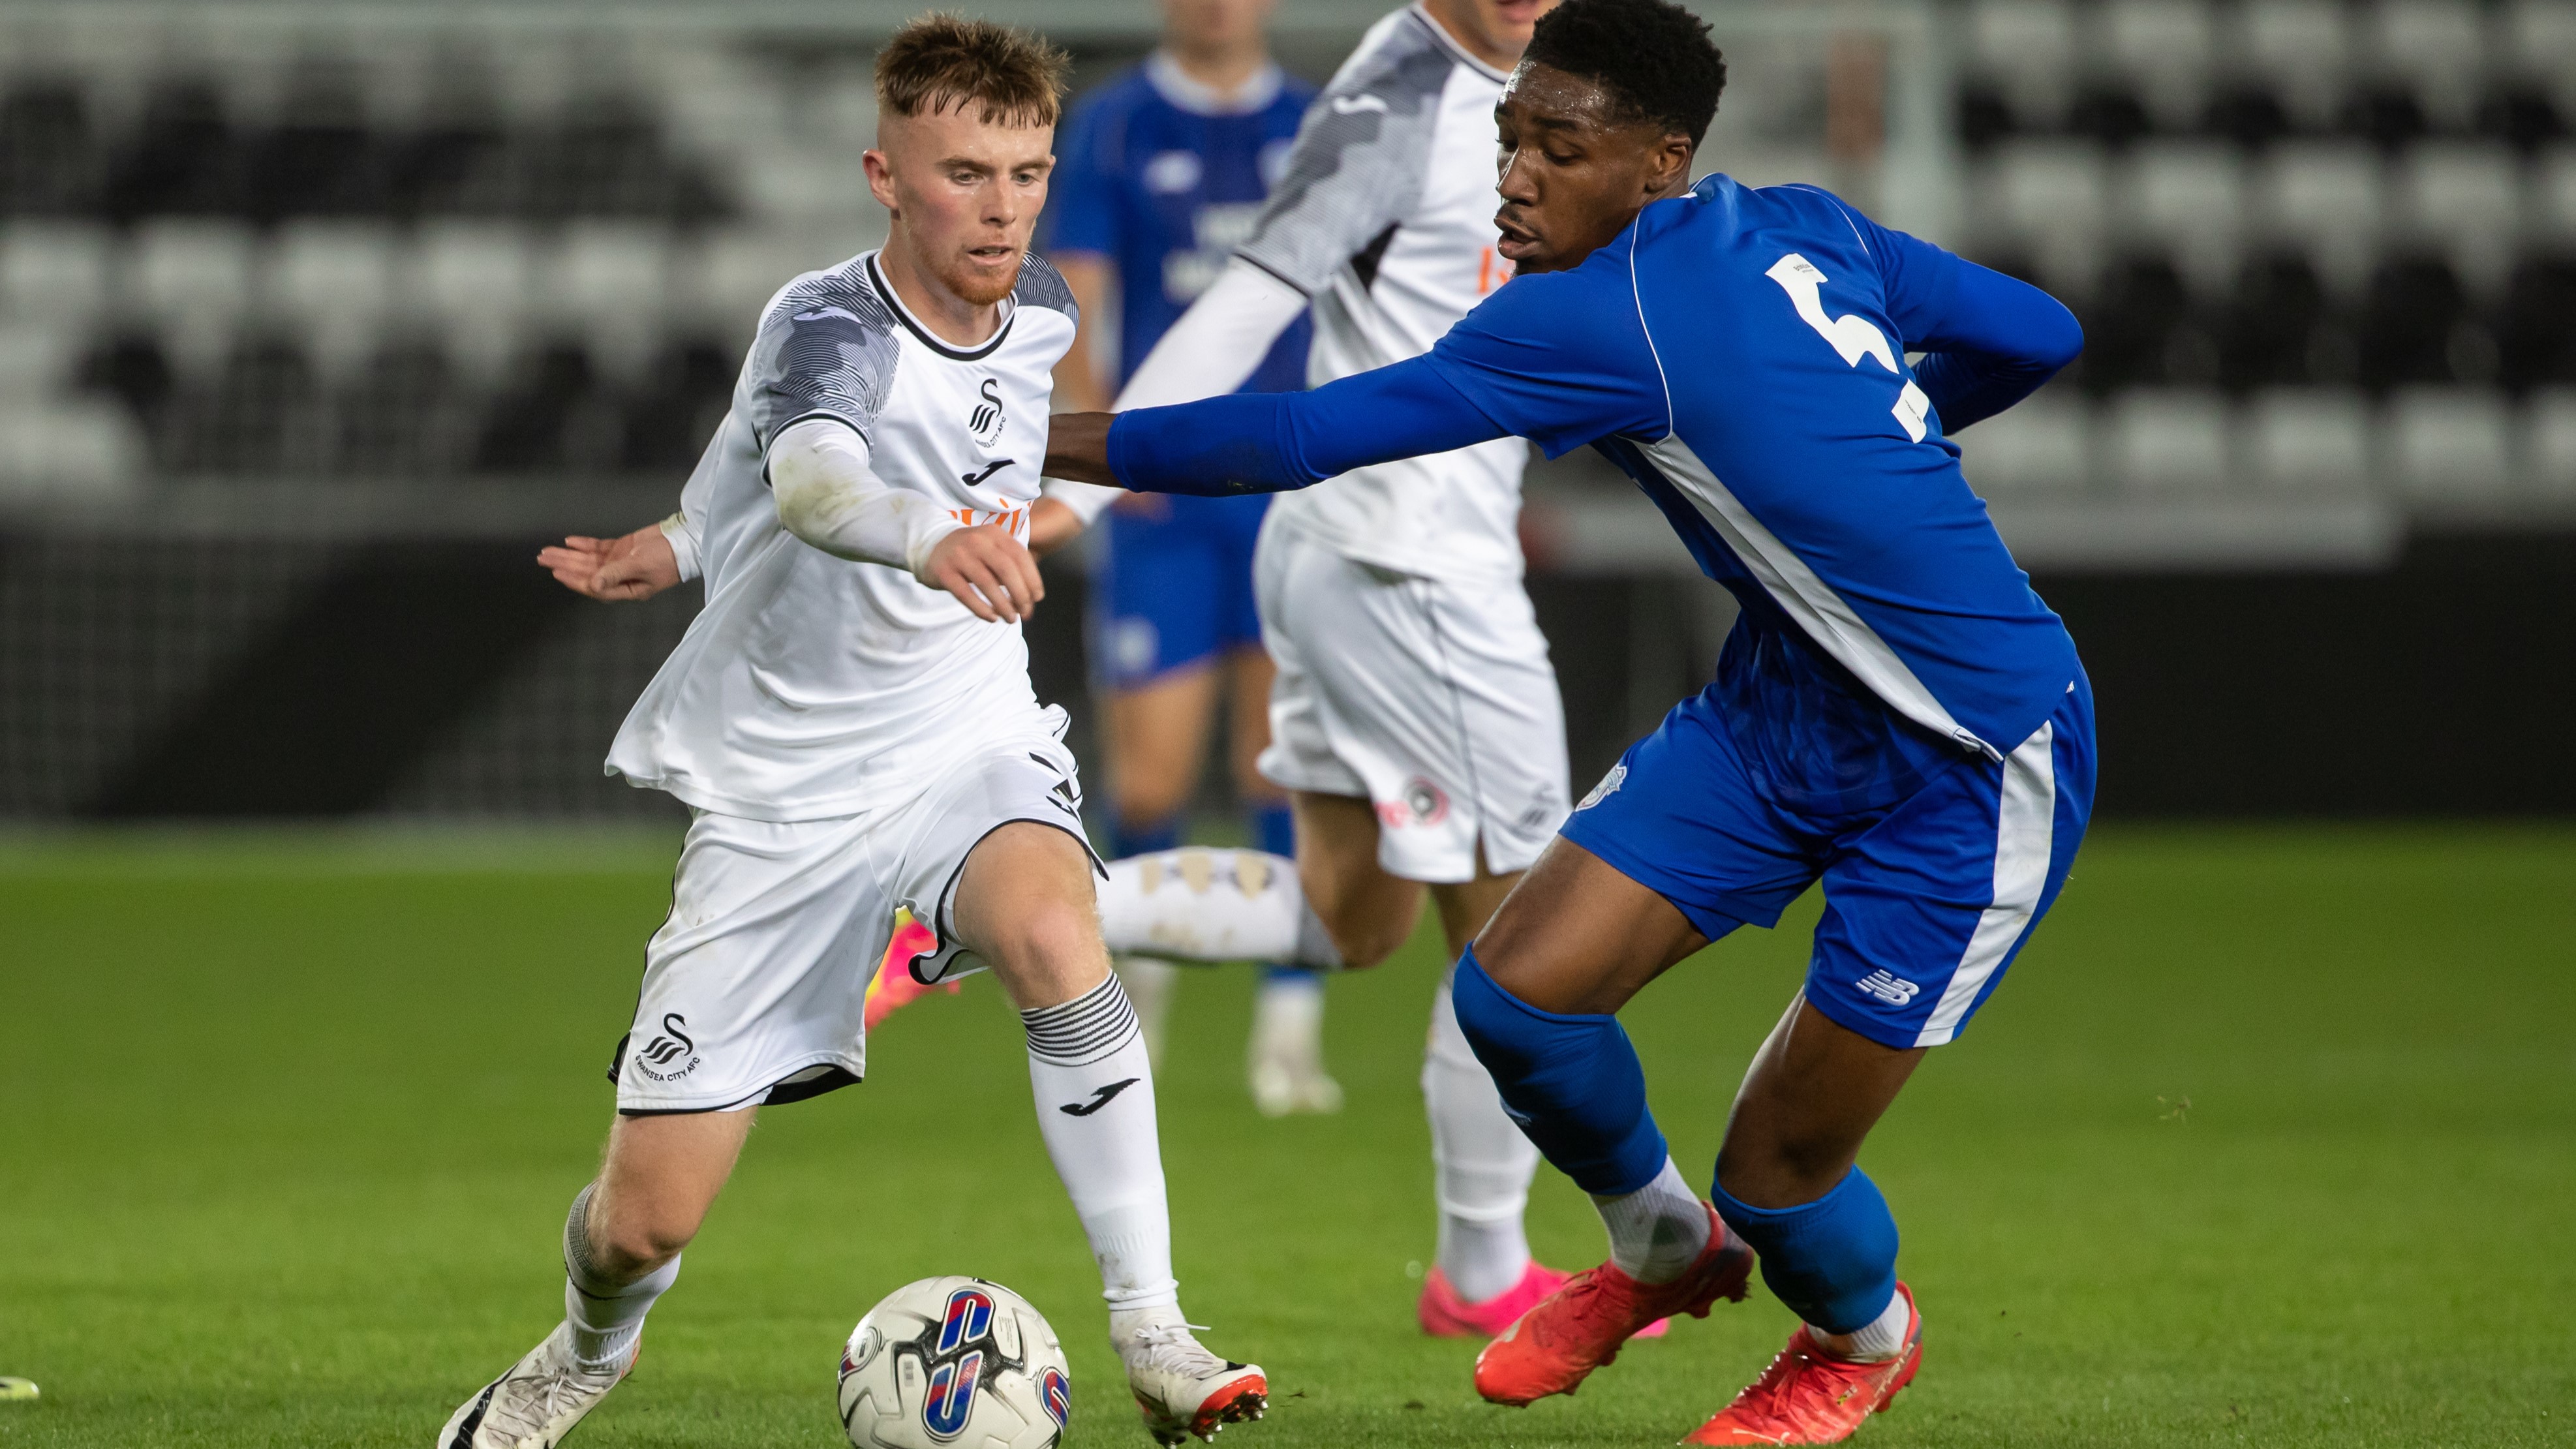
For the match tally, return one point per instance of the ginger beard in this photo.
(964, 192)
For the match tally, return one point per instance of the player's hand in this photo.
(620, 570)
(989, 571)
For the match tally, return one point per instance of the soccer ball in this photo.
(954, 1363)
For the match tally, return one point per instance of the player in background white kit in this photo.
(1415, 720)
(851, 722)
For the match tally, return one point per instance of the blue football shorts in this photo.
(1927, 900)
(1174, 591)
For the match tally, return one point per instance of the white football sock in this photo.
(1196, 904)
(1149, 985)
(1482, 1164)
(1095, 1098)
(1656, 1232)
(1877, 1341)
(605, 1316)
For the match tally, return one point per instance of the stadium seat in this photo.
(2549, 442)
(2520, 113)
(69, 450)
(320, 158)
(2554, 204)
(2047, 198)
(545, 416)
(261, 416)
(48, 161)
(54, 269)
(2028, 48)
(405, 414)
(2438, 47)
(2144, 328)
(2041, 446)
(2535, 325)
(2302, 48)
(36, 362)
(195, 268)
(2327, 199)
(2450, 443)
(2464, 197)
(2163, 48)
(477, 270)
(180, 159)
(2281, 327)
(2247, 111)
(132, 369)
(2539, 42)
(2187, 197)
(2418, 325)
(335, 280)
(2108, 111)
(2166, 440)
(2306, 440)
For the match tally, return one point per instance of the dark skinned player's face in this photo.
(1573, 172)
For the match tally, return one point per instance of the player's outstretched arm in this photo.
(1269, 442)
(621, 570)
(828, 496)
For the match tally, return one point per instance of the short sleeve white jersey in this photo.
(811, 686)
(1385, 218)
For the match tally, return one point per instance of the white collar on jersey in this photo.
(1199, 98)
(1450, 43)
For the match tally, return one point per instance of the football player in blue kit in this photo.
(1159, 175)
(1896, 715)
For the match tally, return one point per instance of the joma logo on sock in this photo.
(1895, 991)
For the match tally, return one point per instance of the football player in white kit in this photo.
(1415, 720)
(850, 721)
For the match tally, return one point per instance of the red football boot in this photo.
(1807, 1396)
(1445, 1314)
(1580, 1326)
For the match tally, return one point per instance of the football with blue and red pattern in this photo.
(954, 1363)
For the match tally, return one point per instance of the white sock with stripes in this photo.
(1095, 1099)
(606, 1316)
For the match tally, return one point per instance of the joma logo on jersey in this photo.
(662, 1058)
(1894, 990)
(985, 421)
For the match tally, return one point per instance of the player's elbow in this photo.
(2057, 339)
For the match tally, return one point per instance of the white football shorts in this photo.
(1432, 699)
(755, 989)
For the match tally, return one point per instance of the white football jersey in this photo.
(811, 686)
(1385, 217)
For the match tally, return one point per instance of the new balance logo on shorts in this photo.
(1895, 991)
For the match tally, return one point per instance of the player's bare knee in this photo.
(635, 1241)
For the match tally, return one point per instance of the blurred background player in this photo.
(1159, 175)
(1415, 721)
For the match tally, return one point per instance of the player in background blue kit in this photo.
(1159, 175)
(1896, 714)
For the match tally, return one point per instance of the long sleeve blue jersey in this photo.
(1741, 354)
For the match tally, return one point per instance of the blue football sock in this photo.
(1128, 838)
(1573, 1083)
(1833, 1261)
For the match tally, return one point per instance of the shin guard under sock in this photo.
(606, 1316)
(1832, 1261)
(1573, 1083)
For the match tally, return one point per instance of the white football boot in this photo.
(538, 1401)
(1182, 1389)
(1284, 1060)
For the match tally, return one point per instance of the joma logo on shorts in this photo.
(1895, 991)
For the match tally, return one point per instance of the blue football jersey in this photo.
(1152, 174)
(1741, 354)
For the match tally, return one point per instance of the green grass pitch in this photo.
(290, 1124)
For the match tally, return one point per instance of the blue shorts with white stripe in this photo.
(1927, 899)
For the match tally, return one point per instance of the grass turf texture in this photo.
(291, 1124)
